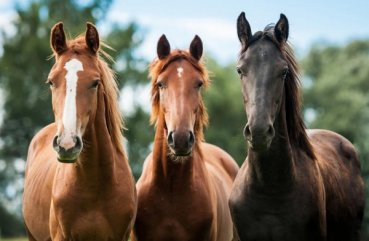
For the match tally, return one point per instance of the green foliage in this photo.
(338, 95)
(15, 239)
(140, 136)
(227, 117)
(10, 225)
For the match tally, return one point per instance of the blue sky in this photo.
(214, 21)
(313, 21)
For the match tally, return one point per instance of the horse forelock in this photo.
(157, 67)
(295, 124)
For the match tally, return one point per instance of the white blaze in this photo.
(180, 72)
(70, 107)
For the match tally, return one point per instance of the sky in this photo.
(314, 21)
(336, 22)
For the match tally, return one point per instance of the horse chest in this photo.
(92, 224)
(174, 217)
(90, 218)
(259, 217)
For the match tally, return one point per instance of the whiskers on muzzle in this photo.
(178, 159)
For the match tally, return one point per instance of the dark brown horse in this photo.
(295, 184)
(185, 185)
(78, 184)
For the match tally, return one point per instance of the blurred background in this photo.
(331, 41)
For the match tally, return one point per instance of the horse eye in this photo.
(50, 83)
(284, 73)
(160, 84)
(95, 84)
(239, 71)
(199, 84)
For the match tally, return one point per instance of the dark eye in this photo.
(160, 85)
(199, 84)
(50, 83)
(239, 71)
(95, 84)
(284, 73)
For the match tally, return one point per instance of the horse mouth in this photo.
(259, 146)
(181, 153)
(179, 156)
(67, 159)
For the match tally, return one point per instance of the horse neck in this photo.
(165, 169)
(274, 168)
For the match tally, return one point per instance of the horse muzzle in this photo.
(67, 150)
(181, 143)
(259, 137)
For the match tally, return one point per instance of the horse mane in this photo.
(157, 67)
(293, 101)
(114, 119)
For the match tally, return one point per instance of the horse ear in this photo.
(281, 29)
(196, 48)
(163, 48)
(243, 30)
(58, 41)
(92, 38)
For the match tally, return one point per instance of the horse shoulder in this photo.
(146, 175)
(220, 158)
(336, 157)
(222, 171)
(39, 174)
(336, 144)
(339, 166)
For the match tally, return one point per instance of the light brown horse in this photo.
(185, 184)
(294, 184)
(78, 184)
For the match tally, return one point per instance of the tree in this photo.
(24, 69)
(227, 117)
(337, 97)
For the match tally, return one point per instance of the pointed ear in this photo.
(243, 30)
(196, 48)
(163, 47)
(58, 41)
(281, 29)
(92, 38)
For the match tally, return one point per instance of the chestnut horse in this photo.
(184, 188)
(295, 184)
(78, 184)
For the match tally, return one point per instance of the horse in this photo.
(185, 184)
(295, 184)
(78, 184)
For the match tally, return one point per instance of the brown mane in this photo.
(110, 90)
(295, 124)
(157, 67)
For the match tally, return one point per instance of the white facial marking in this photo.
(70, 108)
(180, 72)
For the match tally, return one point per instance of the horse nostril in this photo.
(270, 131)
(191, 139)
(247, 132)
(170, 139)
(56, 142)
(78, 142)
